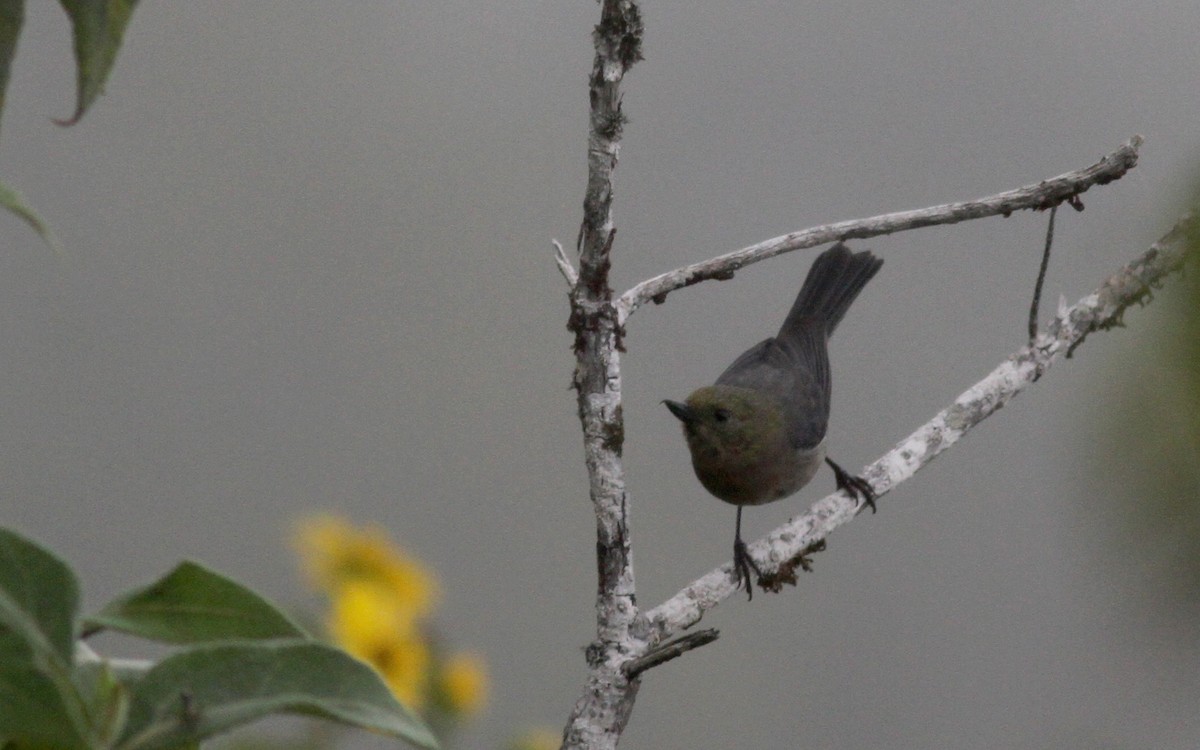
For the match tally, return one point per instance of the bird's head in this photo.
(721, 421)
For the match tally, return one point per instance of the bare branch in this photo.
(564, 264)
(600, 714)
(670, 650)
(1043, 195)
(1100, 310)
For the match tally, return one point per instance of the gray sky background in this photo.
(309, 268)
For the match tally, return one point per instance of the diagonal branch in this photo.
(1100, 310)
(1045, 194)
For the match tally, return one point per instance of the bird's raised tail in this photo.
(832, 284)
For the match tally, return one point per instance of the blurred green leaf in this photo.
(209, 689)
(98, 27)
(1144, 446)
(38, 600)
(12, 200)
(12, 17)
(193, 604)
(33, 712)
(107, 694)
(38, 596)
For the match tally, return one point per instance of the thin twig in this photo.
(564, 264)
(1040, 196)
(670, 650)
(1041, 278)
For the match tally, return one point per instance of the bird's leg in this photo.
(857, 487)
(743, 563)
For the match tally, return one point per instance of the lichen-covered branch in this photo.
(1100, 310)
(628, 641)
(601, 712)
(1045, 194)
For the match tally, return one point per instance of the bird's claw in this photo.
(857, 487)
(743, 563)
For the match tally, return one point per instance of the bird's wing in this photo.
(794, 370)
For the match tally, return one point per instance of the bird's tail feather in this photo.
(832, 284)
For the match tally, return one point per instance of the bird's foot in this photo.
(743, 563)
(857, 487)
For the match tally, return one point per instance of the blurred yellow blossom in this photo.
(364, 615)
(404, 664)
(378, 597)
(366, 622)
(335, 552)
(463, 684)
(379, 601)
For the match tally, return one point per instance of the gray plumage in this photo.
(758, 434)
(794, 365)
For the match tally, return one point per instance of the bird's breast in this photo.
(764, 477)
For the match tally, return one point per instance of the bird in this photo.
(757, 435)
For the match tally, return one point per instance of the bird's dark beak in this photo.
(682, 412)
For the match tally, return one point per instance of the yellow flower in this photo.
(463, 684)
(369, 622)
(364, 615)
(404, 665)
(335, 553)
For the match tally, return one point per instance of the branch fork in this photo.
(629, 640)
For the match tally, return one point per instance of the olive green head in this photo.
(738, 441)
(728, 417)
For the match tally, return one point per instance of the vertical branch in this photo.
(601, 712)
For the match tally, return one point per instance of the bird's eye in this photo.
(721, 415)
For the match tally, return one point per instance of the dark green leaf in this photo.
(38, 596)
(209, 689)
(33, 712)
(98, 27)
(12, 16)
(192, 604)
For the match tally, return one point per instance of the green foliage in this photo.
(192, 604)
(12, 17)
(39, 596)
(1162, 421)
(242, 660)
(98, 27)
(208, 689)
(1147, 438)
(15, 203)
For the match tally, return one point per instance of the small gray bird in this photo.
(758, 434)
